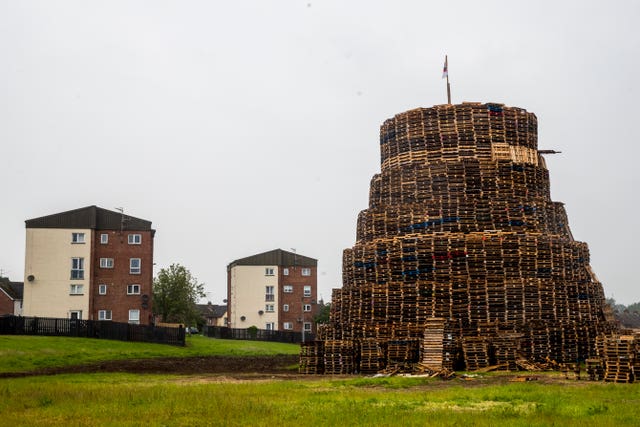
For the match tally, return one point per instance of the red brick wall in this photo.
(6, 304)
(118, 278)
(296, 300)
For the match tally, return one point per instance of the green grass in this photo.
(127, 399)
(27, 353)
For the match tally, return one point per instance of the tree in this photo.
(175, 294)
(323, 314)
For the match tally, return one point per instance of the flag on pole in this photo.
(445, 70)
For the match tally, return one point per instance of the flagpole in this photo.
(446, 64)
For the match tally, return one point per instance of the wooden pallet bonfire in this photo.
(462, 260)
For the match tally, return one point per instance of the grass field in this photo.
(131, 400)
(118, 399)
(27, 353)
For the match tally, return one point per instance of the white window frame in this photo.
(287, 289)
(285, 307)
(269, 308)
(104, 238)
(76, 289)
(77, 268)
(307, 291)
(134, 239)
(285, 271)
(307, 307)
(269, 271)
(270, 326)
(104, 315)
(77, 312)
(287, 326)
(306, 272)
(135, 270)
(307, 326)
(268, 293)
(131, 289)
(77, 238)
(102, 289)
(106, 262)
(134, 316)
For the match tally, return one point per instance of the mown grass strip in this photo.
(123, 400)
(28, 353)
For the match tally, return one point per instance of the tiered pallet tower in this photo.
(462, 240)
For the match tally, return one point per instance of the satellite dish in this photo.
(31, 278)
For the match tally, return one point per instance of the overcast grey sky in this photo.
(238, 127)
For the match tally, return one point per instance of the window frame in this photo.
(285, 271)
(132, 320)
(102, 289)
(269, 271)
(307, 291)
(305, 271)
(135, 270)
(106, 262)
(131, 289)
(77, 268)
(287, 289)
(269, 294)
(306, 308)
(307, 327)
(104, 239)
(77, 238)
(270, 326)
(102, 315)
(269, 308)
(76, 289)
(287, 326)
(285, 307)
(134, 239)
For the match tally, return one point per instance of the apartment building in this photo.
(89, 263)
(275, 290)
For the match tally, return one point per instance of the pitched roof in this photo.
(212, 310)
(276, 257)
(14, 290)
(91, 217)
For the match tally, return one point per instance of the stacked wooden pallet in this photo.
(338, 357)
(311, 357)
(620, 357)
(461, 226)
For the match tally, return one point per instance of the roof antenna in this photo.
(121, 218)
(445, 73)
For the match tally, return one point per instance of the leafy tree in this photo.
(323, 314)
(175, 294)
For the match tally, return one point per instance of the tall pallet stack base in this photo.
(619, 357)
(462, 251)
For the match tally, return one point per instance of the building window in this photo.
(135, 239)
(104, 314)
(307, 307)
(133, 289)
(134, 266)
(106, 262)
(269, 296)
(77, 268)
(285, 271)
(268, 271)
(306, 272)
(287, 289)
(307, 327)
(269, 326)
(134, 316)
(76, 289)
(269, 308)
(75, 314)
(77, 237)
(285, 307)
(104, 239)
(102, 289)
(307, 291)
(288, 326)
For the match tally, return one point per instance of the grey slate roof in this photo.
(276, 257)
(212, 310)
(15, 290)
(91, 217)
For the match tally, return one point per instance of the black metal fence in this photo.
(104, 329)
(256, 334)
